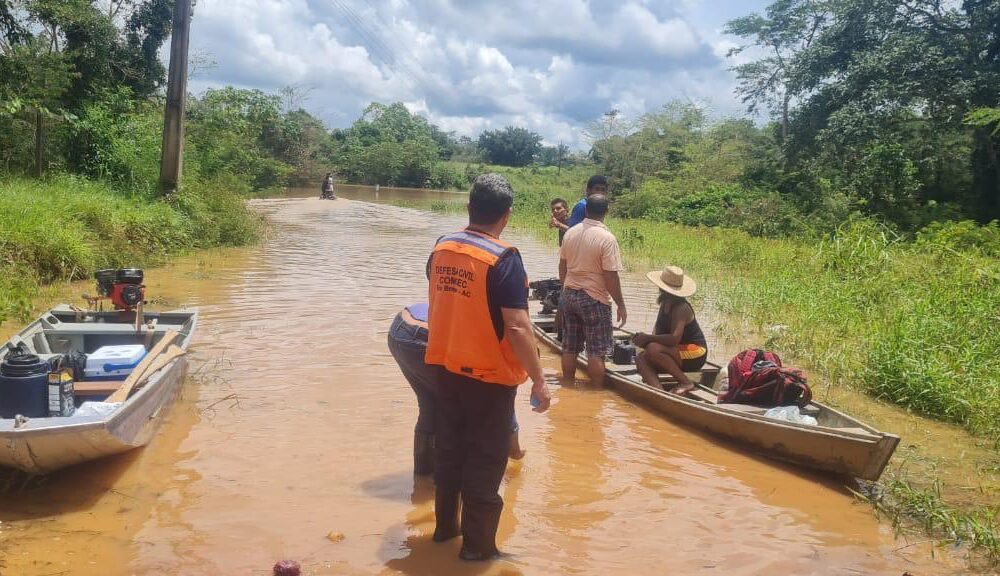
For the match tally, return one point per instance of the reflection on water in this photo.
(298, 424)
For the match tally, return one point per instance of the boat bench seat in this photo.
(91, 328)
(809, 410)
(623, 368)
(96, 387)
(745, 408)
(704, 395)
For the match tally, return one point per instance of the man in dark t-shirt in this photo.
(480, 336)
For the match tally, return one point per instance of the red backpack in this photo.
(757, 377)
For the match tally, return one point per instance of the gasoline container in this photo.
(61, 393)
(24, 389)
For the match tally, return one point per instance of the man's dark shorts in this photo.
(585, 320)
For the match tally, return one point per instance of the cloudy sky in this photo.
(469, 65)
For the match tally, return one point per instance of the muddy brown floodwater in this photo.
(297, 424)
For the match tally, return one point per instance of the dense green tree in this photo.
(57, 57)
(512, 146)
(467, 150)
(788, 27)
(117, 138)
(446, 142)
(655, 145)
(884, 83)
(389, 145)
(301, 140)
(12, 31)
(985, 118)
(146, 30)
(554, 155)
(380, 123)
(228, 130)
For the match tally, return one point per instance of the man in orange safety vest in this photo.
(481, 335)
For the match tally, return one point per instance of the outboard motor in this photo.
(548, 292)
(24, 387)
(123, 286)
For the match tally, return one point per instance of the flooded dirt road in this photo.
(297, 424)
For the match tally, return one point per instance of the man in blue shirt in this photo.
(596, 185)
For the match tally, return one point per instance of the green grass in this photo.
(65, 228)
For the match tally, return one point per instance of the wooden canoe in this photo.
(839, 444)
(41, 445)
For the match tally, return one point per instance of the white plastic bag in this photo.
(790, 414)
(97, 408)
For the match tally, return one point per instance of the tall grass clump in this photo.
(904, 504)
(67, 227)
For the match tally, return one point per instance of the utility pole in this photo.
(39, 143)
(559, 151)
(173, 121)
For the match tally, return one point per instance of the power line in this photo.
(384, 53)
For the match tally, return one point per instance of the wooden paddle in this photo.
(172, 353)
(136, 376)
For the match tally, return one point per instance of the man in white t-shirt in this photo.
(589, 263)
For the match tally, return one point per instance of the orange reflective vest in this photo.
(462, 337)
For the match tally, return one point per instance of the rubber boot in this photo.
(479, 531)
(423, 454)
(446, 516)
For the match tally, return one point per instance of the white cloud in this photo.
(671, 37)
(471, 65)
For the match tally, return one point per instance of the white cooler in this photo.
(114, 362)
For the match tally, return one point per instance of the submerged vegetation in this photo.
(909, 506)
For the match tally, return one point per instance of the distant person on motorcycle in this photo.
(327, 188)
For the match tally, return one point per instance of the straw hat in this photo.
(674, 281)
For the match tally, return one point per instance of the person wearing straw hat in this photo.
(677, 344)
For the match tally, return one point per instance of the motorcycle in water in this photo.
(327, 190)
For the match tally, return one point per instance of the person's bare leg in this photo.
(667, 359)
(647, 371)
(516, 452)
(568, 368)
(595, 369)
